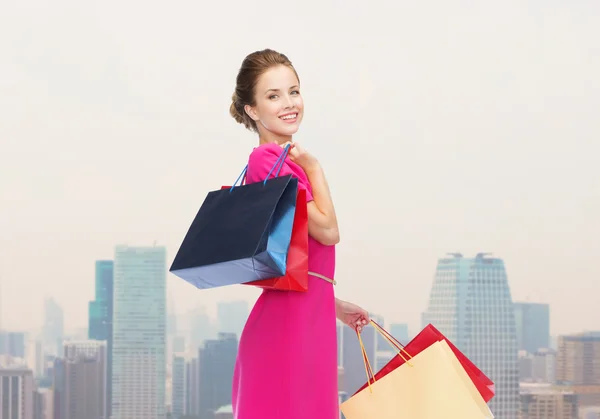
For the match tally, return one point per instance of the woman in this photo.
(287, 360)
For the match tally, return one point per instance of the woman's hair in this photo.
(253, 66)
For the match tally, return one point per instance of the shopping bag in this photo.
(429, 385)
(296, 275)
(240, 234)
(422, 341)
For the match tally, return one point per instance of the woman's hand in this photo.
(351, 314)
(301, 157)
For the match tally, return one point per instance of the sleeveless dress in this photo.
(286, 366)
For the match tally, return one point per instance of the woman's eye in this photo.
(273, 97)
(295, 92)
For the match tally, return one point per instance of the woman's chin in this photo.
(291, 129)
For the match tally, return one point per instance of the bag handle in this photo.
(391, 340)
(241, 176)
(280, 161)
(368, 369)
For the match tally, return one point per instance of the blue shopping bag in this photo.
(240, 234)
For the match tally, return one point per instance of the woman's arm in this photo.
(322, 220)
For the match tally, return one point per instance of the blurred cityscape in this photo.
(136, 360)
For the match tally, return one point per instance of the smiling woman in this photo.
(287, 358)
(267, 91)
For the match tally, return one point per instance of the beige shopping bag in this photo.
(433, 385)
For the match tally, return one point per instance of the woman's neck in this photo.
(269, 137)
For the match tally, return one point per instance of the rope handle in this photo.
(368, 369)
(280, 161)
(392, 341)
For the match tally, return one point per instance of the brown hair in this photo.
(253, 66)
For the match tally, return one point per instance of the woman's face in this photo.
(279, 107)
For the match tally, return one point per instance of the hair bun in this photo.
(234, 110)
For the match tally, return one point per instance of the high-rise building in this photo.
(192, 387)
(350, 357)
(35, 357)
(539, 367)
(382, 344)
(471, 304)
(80, 381)
(100, 315)
(139, 333)
(384, 351)
(232, 316)
(16, 394)
(216, 364)
(400, 332)
(12, 344)
(542, 401)
(178, 391)
(578, 366)
(43, 403)
(533, 326)
(53, 330)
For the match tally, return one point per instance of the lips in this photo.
(289, 117)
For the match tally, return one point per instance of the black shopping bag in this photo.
(240, 234)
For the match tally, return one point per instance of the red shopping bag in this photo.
(296, 275)
(424, 340)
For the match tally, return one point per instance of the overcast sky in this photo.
(442, 126)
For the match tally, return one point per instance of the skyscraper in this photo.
(192, 387)
(139, 333)
(350, 356)
(179, 380)
(53, 330)
(533, 326)
(216, 361)
(542, 401)
(43, 403)
(471, 304)
(35, 357)
(80, 381)
(100, 317)
(578, 366)
(400, 332)
(12, 344)
(16, 394)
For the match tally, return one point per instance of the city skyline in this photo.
(212, 310)
(452, 307)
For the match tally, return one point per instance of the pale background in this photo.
(443, 127)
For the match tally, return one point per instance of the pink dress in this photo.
(286, 366)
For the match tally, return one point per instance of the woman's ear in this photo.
(251, 112)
